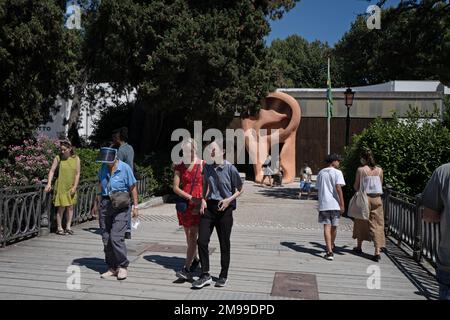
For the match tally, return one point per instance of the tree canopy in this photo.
(37, 62)
(412, 44)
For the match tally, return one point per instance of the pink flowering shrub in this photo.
(29, 163)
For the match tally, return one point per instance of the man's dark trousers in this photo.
(223, 222)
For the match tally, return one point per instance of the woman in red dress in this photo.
(184, 174)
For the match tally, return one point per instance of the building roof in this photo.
(391, 86)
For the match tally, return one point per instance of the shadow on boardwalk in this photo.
(284, 193)
(420, 277)
(173, 263)
(321, 249)
(96, 264)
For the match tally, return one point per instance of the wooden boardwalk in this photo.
(271, 234)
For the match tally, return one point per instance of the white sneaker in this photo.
(123, 273)
(329, 256)
(109, 273)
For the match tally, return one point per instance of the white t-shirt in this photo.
(327, 180)
(306, 174)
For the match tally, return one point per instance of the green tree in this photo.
(413, 44)
(198, 60)
(36, 62)
(408, 150)
(299, 63)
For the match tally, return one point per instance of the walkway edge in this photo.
(152, 202)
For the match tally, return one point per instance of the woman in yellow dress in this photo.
(67, 165)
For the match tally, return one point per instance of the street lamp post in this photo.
(349, 95)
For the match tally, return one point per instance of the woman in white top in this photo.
(369, 177)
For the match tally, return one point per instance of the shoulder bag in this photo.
(358, 207)
(181, 203)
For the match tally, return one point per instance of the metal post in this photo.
(45, 200)
(417, 247)
(387, 194)
(347, 131)
(2, 224)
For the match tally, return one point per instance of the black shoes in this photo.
(194, 265)
(222, 282)
(376, 258)
(128, 235)
(184, 274)
(204, 280)
(357, 250)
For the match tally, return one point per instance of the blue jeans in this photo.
(443, 278)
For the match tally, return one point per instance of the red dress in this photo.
(187, 219)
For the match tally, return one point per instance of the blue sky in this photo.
(325, 20)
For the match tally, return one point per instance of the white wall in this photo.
(55, 128)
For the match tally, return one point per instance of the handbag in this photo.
(181, 203)
(119, 200)
(358, 207)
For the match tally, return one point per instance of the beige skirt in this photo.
(372, 229)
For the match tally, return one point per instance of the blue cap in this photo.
(107, 155)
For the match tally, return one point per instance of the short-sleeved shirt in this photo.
(327, 180)
(126, 154)
(306, 174)
(222, 180)
(436, 196)
(121, 180)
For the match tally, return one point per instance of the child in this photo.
(305, 183)
(331, 200)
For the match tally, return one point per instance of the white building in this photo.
(89, 112)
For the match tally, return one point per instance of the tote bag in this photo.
(358, 207)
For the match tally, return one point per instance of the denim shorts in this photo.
(330, 217)
(305, 186)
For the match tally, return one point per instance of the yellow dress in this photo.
(65, 182)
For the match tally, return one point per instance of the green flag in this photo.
(329, 94)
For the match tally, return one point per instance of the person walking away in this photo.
(330, 181)
(267, 170)
(116, 183)
(67, 167)
(436, 200)
(369, 177)
(125, 153)
(222, 185)
(189, 175)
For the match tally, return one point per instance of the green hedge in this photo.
(158, 168)
(408, 150)
(89, 168)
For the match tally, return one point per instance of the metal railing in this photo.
(403, 221)
(28, 211)
(143, 187)
(20, 212)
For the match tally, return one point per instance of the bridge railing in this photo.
(403, 222)
(28, 211)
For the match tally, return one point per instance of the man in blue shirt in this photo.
(125, 153)
(115, 176)
(222, 185)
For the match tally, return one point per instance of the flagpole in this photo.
(328, 115)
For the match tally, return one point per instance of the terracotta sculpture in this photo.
(279, 111)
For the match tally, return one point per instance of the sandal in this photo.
(69, 231)
(357, 250)
(60, 232)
